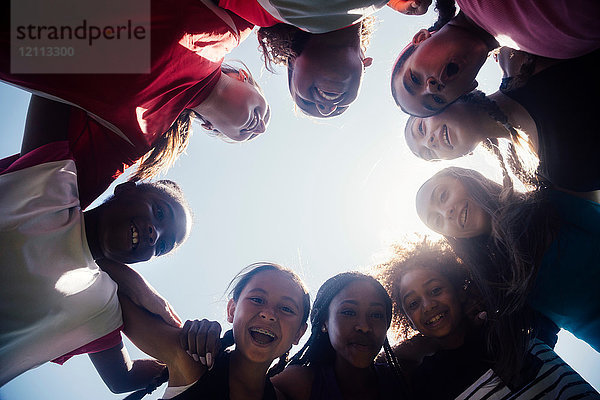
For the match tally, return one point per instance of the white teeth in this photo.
(263, 331)
(463, 216)
(445, 136)
(329, 96)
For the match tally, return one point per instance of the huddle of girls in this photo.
(533, 255)
(483, 307)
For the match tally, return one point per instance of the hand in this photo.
(201, 340)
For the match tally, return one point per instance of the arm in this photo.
(134, 286)
(47, 122)
(120, 373)
(295, 382)
(154, 337)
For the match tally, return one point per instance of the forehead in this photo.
(276, 284)
(359, 291)
(419, 278)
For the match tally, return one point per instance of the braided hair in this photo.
(520, 151)
(318, 349)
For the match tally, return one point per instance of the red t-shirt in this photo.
(188, 43)
(251, 11)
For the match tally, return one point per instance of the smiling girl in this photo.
(433, 295)
(545, 116)
(349, 322)
(538, 247)
(268, 308)
(131, 116)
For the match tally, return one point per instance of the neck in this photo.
(246, 378)
(455, 339)
(461, 21)
(212, 104)
(90, 221)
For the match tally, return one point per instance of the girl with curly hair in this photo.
(449, 357)
(538, 248)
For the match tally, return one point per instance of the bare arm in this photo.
(120, 373)
(47, 122)
(134, 286)
(295, 382)
(160, 340)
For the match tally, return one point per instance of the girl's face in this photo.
(325, 79)
(445, 206)
(453, 133)
(357, 324)
(245, 112)
(267, 317)
(432, 304)
(441, 69)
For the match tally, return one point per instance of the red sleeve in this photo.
(55, 151)
(104, 343)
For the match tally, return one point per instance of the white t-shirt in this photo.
(53, 297)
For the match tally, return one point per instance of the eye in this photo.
(421, 130)
(256, 300)
(436, 290)
(414, 79)
(160, 213)
(348, 313)
(288, 310)
(411, 305)
(443, 196)
(438, 99)
(377, 315)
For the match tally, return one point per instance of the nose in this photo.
(449, 212)
(431, 141)
(326, 109)
(362, 325)
(260, 128)
(434, 85)
(429, 304)
(267, 314)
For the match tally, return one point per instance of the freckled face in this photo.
(267, 317)
(357, 324)
(445, 206)
(431, 303)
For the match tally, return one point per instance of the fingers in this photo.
(201, 340)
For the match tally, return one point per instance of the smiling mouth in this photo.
(262, 336)
(134, 236)
(463, 215)
(329, 96)
(446, 137)
(436, 318)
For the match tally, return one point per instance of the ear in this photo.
(124, 187)
(242, 75)
(300, 333)
(421, 36)
(367, 61)
(230, 310)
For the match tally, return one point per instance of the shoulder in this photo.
(295, 382)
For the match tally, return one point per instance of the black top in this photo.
(214, 384)
(563, 102)
(447, 373)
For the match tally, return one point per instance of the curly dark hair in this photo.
(504, 264)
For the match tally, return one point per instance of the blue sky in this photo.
(319, 196)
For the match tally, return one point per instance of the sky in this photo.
(318, 196)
